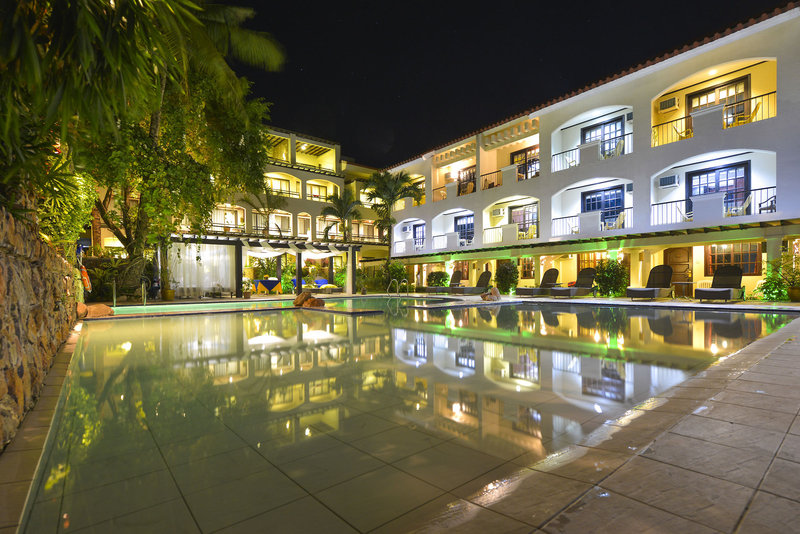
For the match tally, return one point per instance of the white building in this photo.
(691, 160)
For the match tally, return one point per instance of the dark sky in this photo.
(391, 80)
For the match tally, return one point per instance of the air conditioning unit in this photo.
(668, 182)
(406, 228)
(499, 212)
(668, 104)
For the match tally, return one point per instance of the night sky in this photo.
(390, 81)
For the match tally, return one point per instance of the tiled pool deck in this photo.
(718, 453)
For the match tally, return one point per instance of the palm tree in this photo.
(385, 189)
(266, 202)
(344, 208)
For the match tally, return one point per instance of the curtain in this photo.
(200, 269)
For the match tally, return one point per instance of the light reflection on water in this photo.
(507, 380)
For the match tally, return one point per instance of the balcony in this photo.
(528, 169)
(565, 160)
(490, 180)
(593, 222)
(714, 206)
(753, 109)
(304, 166)
(511, 233)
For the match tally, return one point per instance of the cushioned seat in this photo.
(726, 285)
(583, 285)
(659, 284)
(548, 282)
(482, 286)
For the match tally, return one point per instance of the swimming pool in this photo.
(331, 303)
(253, 419)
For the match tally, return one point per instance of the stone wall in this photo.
(37, 310)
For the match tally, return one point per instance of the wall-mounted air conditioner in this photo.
(406, 228)
(499, 212)
(668, 104)
(668, 182)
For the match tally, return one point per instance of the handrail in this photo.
(404, 280)
(390, 286)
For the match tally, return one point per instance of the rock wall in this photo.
(37, 310)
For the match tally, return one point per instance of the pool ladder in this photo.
(397, 285)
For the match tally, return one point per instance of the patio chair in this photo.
(659, 285)
(726, 285)
(583, 286)
(455, 281)
(481, 286)
(735, 211)
(548, 282)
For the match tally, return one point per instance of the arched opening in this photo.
(593, 206)
(453, 229)
(409, 236)
(608, 128)
(511, 219)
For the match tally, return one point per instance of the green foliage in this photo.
(340, 278)
(773, 287)
(63, 216)
(438, 279)
(264, 267)
(343, 207)
(507, 276)
(247, 285)
(612, 278)
(394, 270)
(385, 189)
(788, 268)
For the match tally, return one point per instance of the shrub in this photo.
(438, 279)
(612, 278)
(393, 270)
(773, 287)
(507, 276)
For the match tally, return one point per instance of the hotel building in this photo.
(690, 159)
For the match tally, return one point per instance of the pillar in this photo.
(237, 275)
(773, 248)
(298, 273)
(278, 261)
(350, 287)
(330, 270)
(292, 149)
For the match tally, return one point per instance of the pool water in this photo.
(328, 422)
(334, 303)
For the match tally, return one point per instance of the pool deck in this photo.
(718, 453)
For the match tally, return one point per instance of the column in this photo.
(237, 275)
(330, 270)
(278, 261)
(350, 286)
(773, 248)
(292, 149)
(298, 274)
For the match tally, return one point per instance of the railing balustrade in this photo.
(227, 228)
(439, 242)
(757, 201)
(622, 219)
(400, 247)
(286, 193)
(531, 232)
(491, 180)
(440, 193)
(492, 235)
(565, 160)
(672, 131)
(673, 212)
(419, 243)
(465, 187)
(616, 146)
(566, 225)
(753, 109)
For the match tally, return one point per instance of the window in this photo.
(727, 93)
(462, 266)
(608, 133)
(527, 368)
(419, 235)
(731, 179)
(745, 255)
(589, 259)
(420, 348)
(279, 185)
(465, 226)
(466, 178)
(609, 201)
(526, 267)
(304, 225)
(465, 357)
(525, 216)
(527, 162)
(317, 192)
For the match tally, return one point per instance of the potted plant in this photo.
(788, 268)
(247, 287)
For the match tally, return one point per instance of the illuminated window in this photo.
(610, 202)
(608, 133)
(525, 216)
(745, 255)
(526, 267)
(462, 266)
(731, 179)
(726, 93)
(465, 226)
(527, 162)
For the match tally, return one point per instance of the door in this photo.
(680, 259)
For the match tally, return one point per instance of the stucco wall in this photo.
(37, 309)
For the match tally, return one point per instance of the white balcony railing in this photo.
(492, 235)
(439, 242)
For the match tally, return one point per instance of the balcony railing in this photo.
(492, 235)
(664, 213)
(751, 110)
(419, 243)
(616, 146)
(566, 225)
(528, 169)
(227, 228)
(491, 180)
(439, 242)
(758, 201)
(304, 166)
(566, 159)
(366, 238)
(440, 193)
(317, 197)
(617, 220)
(465, 187)
(531, 232)
(286, 193)
(400, 247)
(672, 131)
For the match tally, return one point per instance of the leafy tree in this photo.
(438, 279)
(385, 189)
(345, 208)
(507, 276)
(612, 278)
(62, 217)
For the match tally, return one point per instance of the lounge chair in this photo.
(726, 285)
(659, 285)
(548, 282)
(583, 286)
(455, 281)
(482, 286)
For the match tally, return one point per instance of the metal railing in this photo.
(286, 193)
(491, 180)
(419, 243)
(531, 232)
(672, 131)
(303, 166)
(227, 228)
(566, 225)
(439, 242)
(616, 146)
(528, 169)
(565, 160)
(492, 235)
(440, 193)
(465, 187)
(756, 201)
(617, 219)
(753, 109)
(316, 197)
(673, 212)
(400, 247)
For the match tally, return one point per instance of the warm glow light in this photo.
(122, 397)
(712, 72)
(456, 407)
(126, 346)
(597, 408)
(417, 406)
(288, 424)
(308, 431)
(714, 348)
(596, 336)
(230, 380)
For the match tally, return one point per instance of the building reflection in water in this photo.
(506, 378)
